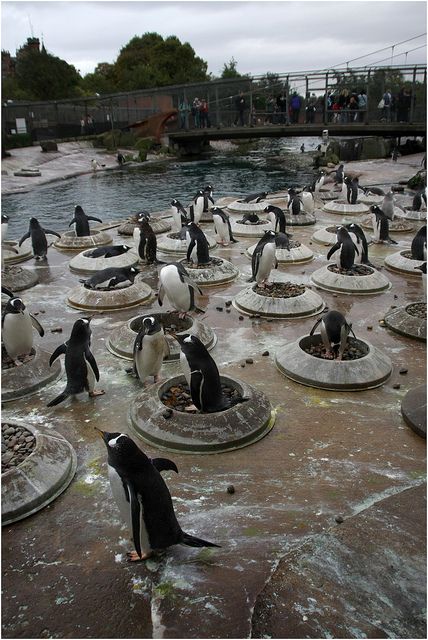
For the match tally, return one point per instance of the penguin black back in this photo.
(198, 238)
(419, 244)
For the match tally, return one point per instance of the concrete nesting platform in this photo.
(414, 409)
(327, 236)
(298, 253)
(404, 322)
(410, 214)
(17, 279)
(9, 249)
(371, 199)
(217, 271)
(398, 225)
(247, 207)
(234, 428)
(110, 299)
(171, 243)
(248, 301)
(242, 230)
(22, 381)
(301, 220)
(367, 372)
(373, 283)
(121, 340)
(158, 225)
(85, 265)
(400, 263)
(345, 209)
(40, 478)
(71, 242)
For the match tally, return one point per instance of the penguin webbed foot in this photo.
(96, 392)
(132, 556)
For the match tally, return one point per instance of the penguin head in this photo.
(121, 448)
(78, 209)
(4, 218)
(190, 344)
(81, 330)
(151, 325)
(33, 223)
(143, 216)
(269, 236)
(208, 187)
(132, 272)
(124, 248)
(15, 305)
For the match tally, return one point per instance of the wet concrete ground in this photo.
(286, 567)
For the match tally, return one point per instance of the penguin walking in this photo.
(39, 241)
(4, 226)
(380, 224)
(334, 333)
(143, 498)
(80, 365)
(81, 220)
(17, 330)
(360, 241)
(109, 278)
(254, 197)
(150, 349)
(108, 252)
(198, 250)
(179, 215)
(276, 217)
(176, 284)
(264, 259)
(346, 249)
(419, 244)
(205, 386)
(222, 226)
(145, 240)
(388, 205)
(423, 268)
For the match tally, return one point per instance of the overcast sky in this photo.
(261, 36)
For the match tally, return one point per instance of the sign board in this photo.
(21, 125)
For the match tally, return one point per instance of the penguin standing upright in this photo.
(143, 498)
(307, 198)
(208, 197)
(276, 217)
(150, 349)
(419, 244)
(380, 226)
(179, 215)
(388, 205)
(334, 333)
(109, 278)
(196, 207)
(339, 174)
(198, 250)
(353, 191)
(264, 259)
(346, 249)
(222, 226)
(17, 330)
(359, 239)
(81, 220)
(176, 284)
(423, 268)
(319, 181)
(4, 226)
(145, 240)
(39, 241)
(80, 365)
(295, 206)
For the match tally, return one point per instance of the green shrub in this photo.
(417, 182)
(18, 140)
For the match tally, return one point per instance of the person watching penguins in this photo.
(183, 110)
(240, 108)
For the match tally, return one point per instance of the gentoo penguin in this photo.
(17, 329)
(419, 244)
(208, 197)
(417, 201)
(352, 192)
(254, 197)
(373, 191)
(196, 207)
(38, 239)
(307, 198)
(249, 218)
(176, 284)
(109, 278)
(205, 386)
(143, 498)
(4, 226)
(334, 333)
(145, 240)
(346, 249)
(380, 226)
(319, 181)
(222, 226)
(276, 217)
(80, 365)
(108, 252)
(264, 259)
(339, 174)
(282, 240)
(7, 292)
(295, 206)
(388, 205)
(81, 220)
(150, 348)
(423, 267)
(179, 215)
(197, 240)
(359, 239)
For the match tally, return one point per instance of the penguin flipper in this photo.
(62, 349)
(193, 541)
(135, 517)
(161, 295)
(333, 249)
(192, 284)
(190, 248)
(91, 360)
(7, 292)
(315, 326)
(52, 233)
(93, 218)
(24, 237)
(163, 464)
(38, 327)
(72, 222)
(62, 396)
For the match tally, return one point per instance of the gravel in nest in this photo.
(331, 230)
(175, 236)
(357, 270)
(213, 262)
(17, 443)
(178, 397)
(408, 255)
(8, 363)
(252, 224)
(294, 244)
(353, 351)
(281, 290)
(418, 309)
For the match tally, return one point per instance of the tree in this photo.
(229, 69)
(100, 81)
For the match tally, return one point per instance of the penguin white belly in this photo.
(194, 252)
(357, 241)
(17, 334)
(136, 236)
(272, 219)
(198, 209)
(90, 376)
(148, 361)
(424, 284)
(185, 367)
(308, 202)
(338, 256)
(177, 292)
(267, 261)
(343, 191)
(4, 226)
(176, 216)
(221, 229)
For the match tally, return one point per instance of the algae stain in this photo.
(418, 474)
(252, 531)
(165, 590)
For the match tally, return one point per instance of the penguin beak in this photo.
(103, 434)
(177, 337)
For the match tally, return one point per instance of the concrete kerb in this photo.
(27, 379)
(370, 284)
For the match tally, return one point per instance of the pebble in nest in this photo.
(281, 290)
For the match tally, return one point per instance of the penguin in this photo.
(282, 240)
(205, 386)
(81, 220)
(107, 252)
(352, 192)
(208, 197)
(4, 226)
(380, 226)
(197, 240)
(419, 244)
(143, 498)
(263, 259)
(319, 181)
(150, 349)
(417, 202)
(254, 197)
(176, 284)
(120, 159)
(109, 278)
(276, 217)
(339, 174)
(179, 215)
(295, 206)
(302, 148)
(307, 198)
(359, 239)
(423, 268)
(222, 226)
(39, 241)
(373, 191)
(388, 205)
(145, 239)
(334, 333)
(17, 329)
(196, 207)
(346, 249)
(249, 218)
(80, 365)
(7, 292)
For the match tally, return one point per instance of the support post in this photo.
(412, 102)
(326, 100)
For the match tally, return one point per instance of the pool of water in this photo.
(114, 195)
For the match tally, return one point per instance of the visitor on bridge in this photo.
(196, 105)
(404, 100)
(204, 115)
(362, 105)
(386, 109)
(183, 110)
(270, 109)
(281, 102)
(240, 108)
(295, 105)
(310, 108)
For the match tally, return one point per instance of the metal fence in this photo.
(72, 118)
